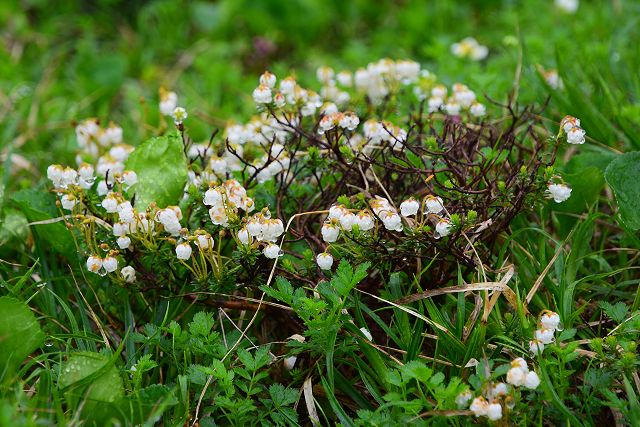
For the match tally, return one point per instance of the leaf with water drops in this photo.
(90, 380)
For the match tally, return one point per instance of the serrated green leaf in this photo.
(616, 312)
(201, 324)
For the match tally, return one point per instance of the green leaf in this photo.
(617, 312)
(590, 156)
(147, 405)
(345, 278)
(161, 167)
(282, 396)
(39, 205)
(201, 324)
(622, 175)
(20, 335)
(416, 370)
(585, 189)
(14, 228)
(90, 379)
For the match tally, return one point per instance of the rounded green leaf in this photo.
(623, 175)
(89, 381)
(20, 334)
(161, 166)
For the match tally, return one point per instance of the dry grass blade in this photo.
(311, 405)
(407, 310)
(500, 286)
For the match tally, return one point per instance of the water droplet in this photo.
(102, 272)
(48, 343)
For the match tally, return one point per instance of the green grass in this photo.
(62, 63)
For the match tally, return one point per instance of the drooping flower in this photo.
(330, 230)
(477, 109)
(262, 94)
(324, 261)
(479, 406)
(243, 236)
(443, 228)
(94, 263)
(68, 201)
(576, 135)
(559, 192)
(545, 336)
(183, 251)
(123, 242)
(462, 400)
(469, 48)
(168, 102)
(268, 79)
(494, 411)
(110, 264)
(550, 320)
(366, 333)
(531, 381)
(516, 376)
(365, 220)
(536, 347)
(409, 207)
(272, 251)
(128, 273)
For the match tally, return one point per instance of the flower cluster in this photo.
(262, 230)
(548, 324)
(106, 145)
(570, 128)
(225, 201)
(460, 98)
(376, 82)
(470, 48)
(498, 397)
(343, 220)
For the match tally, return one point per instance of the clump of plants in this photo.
(331, 220)
(382, 164)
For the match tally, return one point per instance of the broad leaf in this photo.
(89, 379)
(161, 166)
(20, 335)
(38, 205)
(623, 175)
